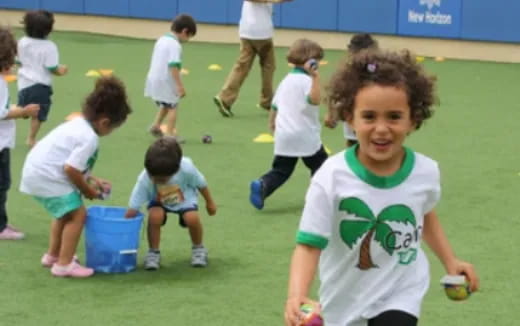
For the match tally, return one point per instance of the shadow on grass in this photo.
(175, 271)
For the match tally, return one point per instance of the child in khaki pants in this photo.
(256, 33)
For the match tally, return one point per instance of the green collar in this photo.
(378, 181)
(299, 70)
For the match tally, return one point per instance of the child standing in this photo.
(256, 39)
(8, 130)
(57, 172)
(169, 184)
(294, 118)
(368, 207)
(358, 43)
(163, 83)
(39, 60)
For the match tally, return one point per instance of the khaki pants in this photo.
(248, 50)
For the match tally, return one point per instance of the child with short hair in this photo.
(163, 82)
(358, 43)
(368, 207)
(294, 119)
(57, 172)
(169, 184)
(8, 130)
(38, 58)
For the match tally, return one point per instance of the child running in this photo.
(8, 130)
(368, 208)
(170, 184)
(57, 172)
(294, 119)
(163, 83)
(38, 59)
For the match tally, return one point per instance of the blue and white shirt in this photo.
(180, 192)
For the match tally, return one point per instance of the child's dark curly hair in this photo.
(386, 69)
(38, 24)
(107, 100)
(7, 49)
(182, 22)
(302, 50)
(163, 157)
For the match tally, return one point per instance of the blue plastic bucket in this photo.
(111, 240)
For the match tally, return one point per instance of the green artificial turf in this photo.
(472, 135)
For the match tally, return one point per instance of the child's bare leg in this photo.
(35, 127)
(159, 117)
(155, 221)
(192, 221)
(171, 120)
(55, 236)
(71, 233)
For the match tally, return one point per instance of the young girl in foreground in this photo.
(368, 207)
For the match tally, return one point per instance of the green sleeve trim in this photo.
(312, 240)
(18, 62)
(53, 69)
(174, 64)
(274, 107)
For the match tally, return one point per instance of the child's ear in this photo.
(106, 122)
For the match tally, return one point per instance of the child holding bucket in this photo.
(57, 172)
(169, 184)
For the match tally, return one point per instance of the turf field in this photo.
(473, 136)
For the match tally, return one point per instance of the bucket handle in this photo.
(127, 251)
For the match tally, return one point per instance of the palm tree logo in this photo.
(369, 226)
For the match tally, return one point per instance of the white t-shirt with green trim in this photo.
(256, 21)
(369, 229)
(38, 58)
(73, 143)
(160, 85)
(297, 124)
(7, 126)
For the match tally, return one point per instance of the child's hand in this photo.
(63, 70)
(182, 91)
(92, 193)
(460, 267)
(311, 66)
(211, 208)
(293, 315)
(32, 110)
(131, 213)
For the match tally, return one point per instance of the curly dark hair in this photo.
(360, 42)
(107, 100)
(163, 157)
(38, 23)
(302, 50)
(182, 22)
(386, 68)
(7, 49)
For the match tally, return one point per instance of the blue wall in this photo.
(491, 20)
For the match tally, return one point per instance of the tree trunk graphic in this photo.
(365, 261)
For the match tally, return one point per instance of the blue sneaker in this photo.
(256, 197)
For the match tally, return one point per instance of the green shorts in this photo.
(59, 206)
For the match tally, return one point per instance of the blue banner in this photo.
(430, 18)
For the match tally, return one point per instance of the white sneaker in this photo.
(199, 257)
(152, 261)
